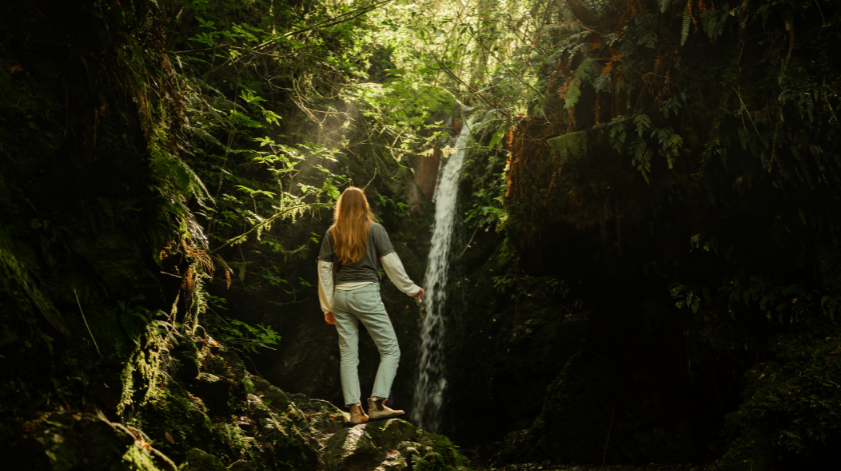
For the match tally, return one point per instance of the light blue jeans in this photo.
(349, 308)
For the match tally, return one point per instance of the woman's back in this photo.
(366, 269)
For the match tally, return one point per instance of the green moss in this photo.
(569, 147)
(438, 452)
(198, 460)
(183, 418)
(280, 436)
(789, 403)
(136, 460)
(272, 395)
(755, 450)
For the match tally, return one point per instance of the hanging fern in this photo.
(684, 31)
(573, 94)
(664, 5)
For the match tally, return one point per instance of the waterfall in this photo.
(431, 382)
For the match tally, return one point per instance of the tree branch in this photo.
(263, 223)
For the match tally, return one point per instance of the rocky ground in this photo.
(314, 430)
(208, 413)
(68, 440)
(202, 410)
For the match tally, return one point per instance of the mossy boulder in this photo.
(429, 451)
(198, 460)
(789, 409)
(279, 438)
(62, 441)
(366, 446)
(270, 393)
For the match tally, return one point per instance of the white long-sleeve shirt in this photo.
(392, 266)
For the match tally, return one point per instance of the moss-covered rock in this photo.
(198, 460)
(280, 440)
(366, 446)
(434, 452)
(789, 409)
(270, 393)
(62, 441)
(266, 428)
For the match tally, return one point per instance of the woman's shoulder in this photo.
(377, 227)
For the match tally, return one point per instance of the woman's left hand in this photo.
(329, 318)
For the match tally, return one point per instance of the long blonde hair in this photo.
(351, 222)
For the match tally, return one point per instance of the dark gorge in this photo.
(642, 264)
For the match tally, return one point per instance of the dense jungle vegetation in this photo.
(645, 266)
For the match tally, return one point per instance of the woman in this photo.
(356, 245)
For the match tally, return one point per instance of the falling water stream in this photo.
(431, 381)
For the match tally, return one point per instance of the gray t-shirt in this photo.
(367, 268)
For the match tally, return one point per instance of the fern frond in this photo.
(664, 5)
(684, 31)
(572, 96)
(642, 122)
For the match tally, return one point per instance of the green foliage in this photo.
(573, 94)
(273, 275)
(397, 208)
(485, 172)
(642, 123)
(618, 134)
(645, 29)
(438, 453)
(407, 111)
(521, 286)
(684, 29)
(236, 333)
(789, 401)
(239, 334)
(707, 172)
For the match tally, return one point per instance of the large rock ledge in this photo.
(185, 429)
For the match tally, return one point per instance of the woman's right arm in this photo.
(392, 265)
